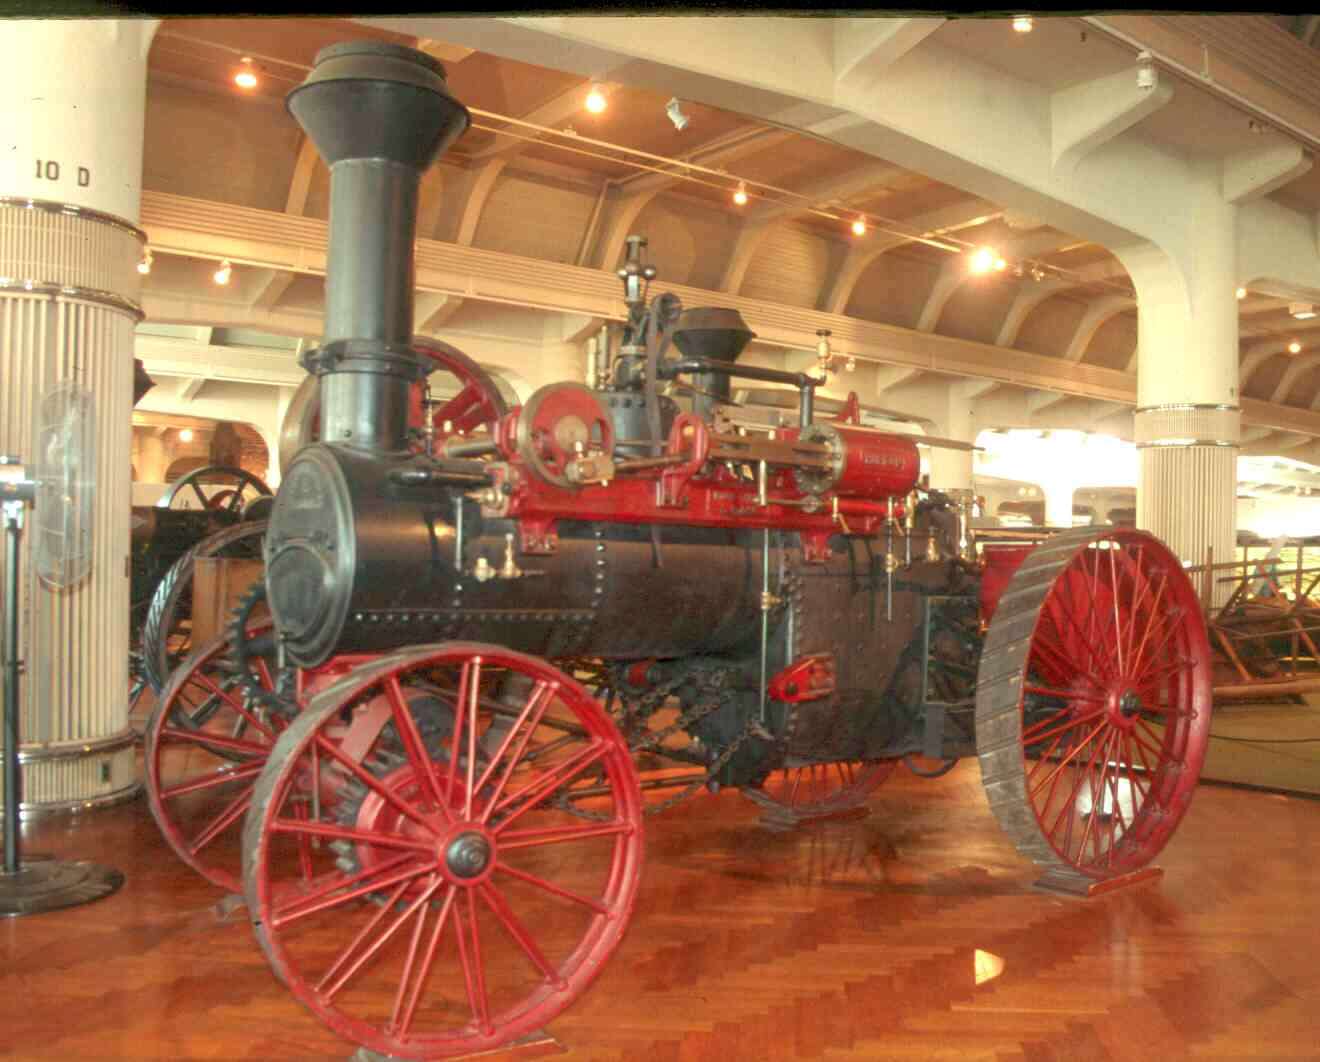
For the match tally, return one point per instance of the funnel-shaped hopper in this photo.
(374, 100)
(712, 332)
(717, 333)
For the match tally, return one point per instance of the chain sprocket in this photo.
(246, 649)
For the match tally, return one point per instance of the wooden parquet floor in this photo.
(911, 934)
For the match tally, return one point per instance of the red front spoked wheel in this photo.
(457, 899)
(205, 745)
(1093, 709)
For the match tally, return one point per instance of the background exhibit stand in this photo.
(40, 883)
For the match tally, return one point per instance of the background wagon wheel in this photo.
(240, 487)
(458, 905)
(200, 774)
(477, 403)
(796, 794)
(167, 632)
(1093, 707)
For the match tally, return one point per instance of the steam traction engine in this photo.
(483, 626)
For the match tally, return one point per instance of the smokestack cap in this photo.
(712, 332)
(376, 100)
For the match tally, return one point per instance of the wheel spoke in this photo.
(236, 705)
(517, 931)
(330, 990)
(469, 681)
(550, 887)
(536, 715)
(1118, 623)
(414, 748)
(530, 795)
(227, 817)
(560, 835)
(404, 1022)
(1138, 656)
(222, 776)
(1067, 695)
(372, 782)
(469, 954)
(1062, 728)
(310, 828)
(342, 889)
(1067, 759)
(1139, 665)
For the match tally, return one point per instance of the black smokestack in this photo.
(379, 114)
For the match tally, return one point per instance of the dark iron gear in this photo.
(248, 647)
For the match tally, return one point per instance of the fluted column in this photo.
(70, 191)
(1187, 422)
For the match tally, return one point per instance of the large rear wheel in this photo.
(1093, 701)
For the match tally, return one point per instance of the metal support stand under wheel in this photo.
(539, 1044)
(38, 883)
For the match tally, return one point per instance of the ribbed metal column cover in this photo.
(1187, 494)
(67, 312)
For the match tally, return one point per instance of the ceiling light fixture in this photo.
(1302, 311)
(740, 194)
(596, 101)
(246, 77)
(1022, 23)
(1241, 293)
(186, 435)
(850, 365)
(984, 259)
(144, 266)
(1294, 347)
(675, 111)
(222, 275)
(859, 227)
(1146, 76)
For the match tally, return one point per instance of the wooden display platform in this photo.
(1070, 883)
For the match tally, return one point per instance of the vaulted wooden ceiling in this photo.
(516, 191)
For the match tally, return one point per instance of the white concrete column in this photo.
(152, 459)
(1058, 504)
(952, 469)
(1187, 422)
(70, 192)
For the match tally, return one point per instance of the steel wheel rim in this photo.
(441, 908)
(1102, 737)
(201, 824)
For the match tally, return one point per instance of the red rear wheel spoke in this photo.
(519, 803)
(219, 778)
(231, 814)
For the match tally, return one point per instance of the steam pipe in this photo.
(804, 382)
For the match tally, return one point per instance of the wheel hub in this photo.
(1129, 704)
(468, 855)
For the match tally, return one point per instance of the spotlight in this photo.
(596, 101)
(1022, 23)
(859, 227)
(1294, 347)
(850, 365)
(144, 266)
(245, 78)
(984, 259)
(186, 435)
(740, 195)
(1241, 293)
(1000, 264)
(675, 111)
(1145, 70)
(1302, 311)
(222, 275)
